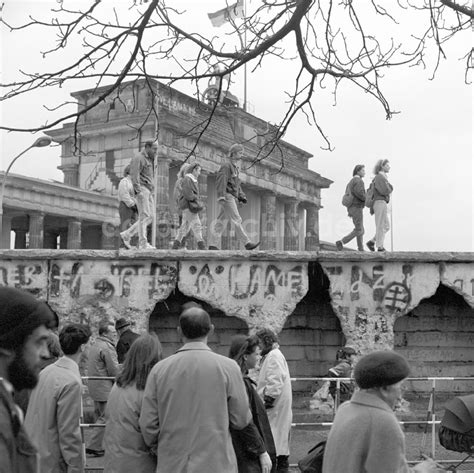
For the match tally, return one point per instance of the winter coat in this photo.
(17, 453)
(356, 188)
(346, 388)
(228, 182)
(53, 417)
(274, 380)
(365, 438)
(125, 449)
(102, 361)
(191, 398)
(124, 344)
(382, 188)
(249, 445)
(141, 172)
(189, 191)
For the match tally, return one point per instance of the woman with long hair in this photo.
(254, 446)
(125, 449)
(382, 190)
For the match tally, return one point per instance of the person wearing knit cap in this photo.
(24, 329)
(366, 436)
(126, 338)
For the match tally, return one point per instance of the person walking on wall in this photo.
(125, 449)
(24, 328)
(142, 175)
(126, 338)
(274, 387)
(365, 436)
(190, 204)
(191, 399)
(382, 190)
(178, 189)
(355, 195)
(229, 194)
(54, 412)
(102, 362)
(128, 209)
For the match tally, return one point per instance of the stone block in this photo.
(297, 337)
(293, 352)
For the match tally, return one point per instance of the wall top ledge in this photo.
(187, 255)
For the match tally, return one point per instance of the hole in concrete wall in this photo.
(312, 333)
(437, 338)
(164, 320)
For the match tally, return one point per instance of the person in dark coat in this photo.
(127, 337)
(24, 324)
(251, 448)
(355, 188)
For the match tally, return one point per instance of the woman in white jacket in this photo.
(274, 387)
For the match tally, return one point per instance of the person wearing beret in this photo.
(366, 436)
(24, 329)
(126, 338)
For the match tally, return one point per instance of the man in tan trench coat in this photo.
(190, 400)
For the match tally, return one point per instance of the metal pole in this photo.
(3, 189)
(155, 178)
(245, 65)
(391, 224)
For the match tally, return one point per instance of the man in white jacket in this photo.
(274, 387)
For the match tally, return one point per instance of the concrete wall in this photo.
(420, 304)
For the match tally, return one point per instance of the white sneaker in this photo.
(126, 240)
(146, 246)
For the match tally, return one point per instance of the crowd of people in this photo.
(194, 411)
(136, 201)
(376, 199)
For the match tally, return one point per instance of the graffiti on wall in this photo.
(368, 297)
(249, 290)
(460, 278)
(30, 276)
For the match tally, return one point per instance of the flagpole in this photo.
(245, 65)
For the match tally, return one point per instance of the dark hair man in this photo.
(54, 411)
(356, 190)
(24, 324)
(229, 194)
(190, 400)
(126, 338)
(142, 174)
(102, 361)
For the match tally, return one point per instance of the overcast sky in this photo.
(429, 143)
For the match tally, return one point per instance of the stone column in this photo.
(268, 221)
(312, 228)
(163, 216)
(6, 231)
(74, 235)
(203, 194)
(290, 240)
(20, 239)
(71, 174)
(36, 230)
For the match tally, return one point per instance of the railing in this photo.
(430, 420)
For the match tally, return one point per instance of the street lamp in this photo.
(40, 142)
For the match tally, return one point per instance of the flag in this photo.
(229, 13)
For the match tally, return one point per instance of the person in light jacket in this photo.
(54, 411)
(189, 203)
(191, 399)
(366, 436)
(125, 449)
(274, 387)
(128, 209)
(356, 189)
(102, 362)
(382, 191)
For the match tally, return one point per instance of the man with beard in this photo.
(24, 324)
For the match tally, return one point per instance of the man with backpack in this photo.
(354, 200)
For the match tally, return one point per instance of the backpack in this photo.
(369, 196)
(313, 461)
(347, 198)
